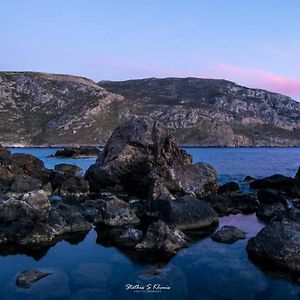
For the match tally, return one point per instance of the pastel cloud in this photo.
(259, 79)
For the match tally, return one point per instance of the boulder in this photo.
(21, 172)
(26, 278)
(161, 238)
(233, 203)
(31, 206)
(68, 184)
(296, 188)
(141, 157)
(272, 203)
(115, 212)
(68, 168)
(24, 183)
(186, 213)
(228, 235)
(228, 187)
(277, 246)
(275, 182)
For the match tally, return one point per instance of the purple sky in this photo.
(254, 43)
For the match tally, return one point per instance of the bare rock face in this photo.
(296, 189)
(187, 213)
(161, 238)
(277, 246)
(141, 154)
(21, 172)
(228, 234)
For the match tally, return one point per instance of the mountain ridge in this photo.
(55, 109)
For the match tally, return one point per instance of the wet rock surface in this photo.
(68, 168)
(228, 234)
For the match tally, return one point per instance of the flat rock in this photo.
(228, 235)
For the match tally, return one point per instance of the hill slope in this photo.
(41, 109)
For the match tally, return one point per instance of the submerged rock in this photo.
(187, 213)
(141, 154)
(228, 235)
(161, 238)
(277, 246)
(26, 278)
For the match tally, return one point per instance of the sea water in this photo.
(88, 269)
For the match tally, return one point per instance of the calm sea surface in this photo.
(86, 269)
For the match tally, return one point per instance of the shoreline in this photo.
(17, 146)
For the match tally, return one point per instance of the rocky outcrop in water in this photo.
(141, 158)
(51, 109)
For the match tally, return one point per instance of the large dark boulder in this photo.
(228, 188)
(296, 189)
(24, 183)
(140, 155)
(187, 213)
(233, 203)
(275, 182)
(272, 204)
(68, 168)
(277, 246)
(21, 172)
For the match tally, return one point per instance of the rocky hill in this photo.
(42, 109)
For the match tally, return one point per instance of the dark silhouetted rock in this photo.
(68, 168)
(277, 246)
(272, 204)
(161, 238)
(24, 183)
(186, 213)
(228, 235)
(233, 203)
(248, 179)
(296, 188)
(228, 187)
(26, 278)
(32, 206)
(78, 152)
(275, 182)
(141, 153)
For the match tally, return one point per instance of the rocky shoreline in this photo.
(146, 196)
